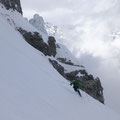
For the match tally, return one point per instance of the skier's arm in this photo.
(72, 83)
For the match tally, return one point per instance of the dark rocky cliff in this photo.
(12, 4)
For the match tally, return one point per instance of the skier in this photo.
(76, 85)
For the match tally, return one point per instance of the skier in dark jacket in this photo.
(76, 85)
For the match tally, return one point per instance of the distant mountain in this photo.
(38, 22)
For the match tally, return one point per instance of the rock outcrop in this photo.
(36, 40)
(91, 85)
(69, 62)
(12, 4)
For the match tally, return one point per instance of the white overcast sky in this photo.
(90, 22)
(87, 26)
(56, 10)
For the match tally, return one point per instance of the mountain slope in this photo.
(31, 89)
(64, 61)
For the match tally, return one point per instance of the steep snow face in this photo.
(31, 89)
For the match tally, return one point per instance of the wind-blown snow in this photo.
(31, 89)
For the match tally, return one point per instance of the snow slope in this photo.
(31, 89)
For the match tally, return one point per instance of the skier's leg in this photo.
(79, 93)
(75, 89)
